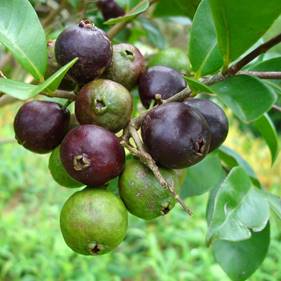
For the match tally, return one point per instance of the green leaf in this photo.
(23, 91)
(153, 33)
(168, 8)
(241, 259)
(275, 203)
(239, 25)
(238, 208)
(267, 129)
(139, 9)
(22, 33)
(203, 177)
(204, 53)
(270, 65)
(248, 97)
(197, 86)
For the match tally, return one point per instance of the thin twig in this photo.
(262, 74)
(7, 141)
(276, 107)
(263, 48)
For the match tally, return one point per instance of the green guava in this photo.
(104, 103)
(58, 171)
(171, 57)
(93, 221)
(142, 194)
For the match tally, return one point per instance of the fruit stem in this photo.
(147, 160)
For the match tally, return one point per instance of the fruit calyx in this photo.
(199, 146)
(95, 248)
(166, 208)
(81, 162)
(128, 54)
(86, 24)
(99, 105)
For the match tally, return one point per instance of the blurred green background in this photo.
(167, 249)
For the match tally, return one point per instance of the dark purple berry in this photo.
(90, 44)
(110, 9)
(176, 135)
(92, 155)
(215, 117)
(40, 126)
(160, 80)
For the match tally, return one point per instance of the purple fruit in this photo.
(92, 155)
(110, 9)
(90, 44)
(176, 135)
(160, 80)
(40, 126)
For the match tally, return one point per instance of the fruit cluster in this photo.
(88, 153)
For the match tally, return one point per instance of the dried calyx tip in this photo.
(86, 23)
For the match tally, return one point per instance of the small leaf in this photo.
(248, 97)
(232, 159)
(204, 53)
(267, 129)
(239, 208)
(275, 203)
(24, 91)
(22, 33)
(198, 87)
(139, 9)
(168, 8)
(241, 259)
(203, 177)
(239, 25)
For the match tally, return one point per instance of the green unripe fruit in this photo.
(58, 171)
(93, 221)
(171, 57)
(127, 65)
(142, 194)
(104, 103)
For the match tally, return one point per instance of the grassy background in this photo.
(170, 248)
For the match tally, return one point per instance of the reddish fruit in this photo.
(92, 155)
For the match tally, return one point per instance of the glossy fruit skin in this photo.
(160, 80)
(110, 9)
(171, 57)
(142, 194)
(93, 222)
(104, 103)
(40, 126)
(215, 117)
(92, 155)
(90, 44)
(58, 171)
(176, 135)
(127, 65)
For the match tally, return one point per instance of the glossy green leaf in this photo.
(197, 86)
(204, 53)
(168, 8)
(240, 24)
(140, 8)
(24, 91)
(232, 159)
(203, 177)
(267, 129)
(248, 97)
(241, 259)
(239, 208)
(22, 33)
